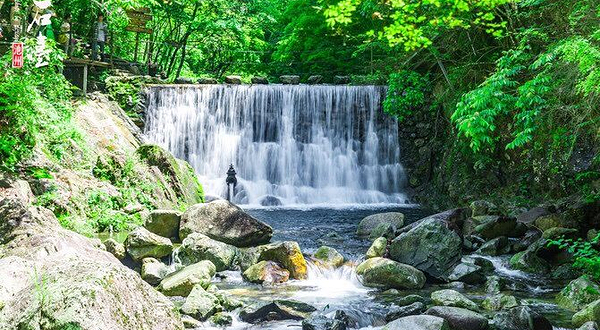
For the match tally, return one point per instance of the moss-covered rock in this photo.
(499, 302)
(141, 244)
(197, 247)
(377, 249)
(388, 274)
(578, 293)
(266, 272)
(287, 254)
(221, 319)
(452, 298)
(115, 248)
(181, 282)
(200, 304)
(418, 322)
(164, 223)
(590, 312)
(528, 261)
(368, 224)
(329, 257)
(276, 310)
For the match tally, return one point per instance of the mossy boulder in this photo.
(370, 223)
(495, 247)
(418, 322)
(221, 319)
(482, 207)
(287, 254)
(460, 318)
(183, 281)
(200, 304)
(452, 298)
(266, 272)
(388, 274)
(197, 247)
(153, 271)
(490, 226)
(590, 312)
(521, 318)
(329, 257)
(578, 293)
(276, 310)
(179, 174)
(164, 223)
(115, 248)
(377, 249)
(528, 261)
(499, 302)
(141, 244)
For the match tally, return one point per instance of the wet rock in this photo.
(212, 198)
(558, 232)
(409, 300)
(418, 322)
(182, 281)
(164, 223)
(490, 226)
(468, 273)
(115, 248)
(524, 243)
(578, 293)
(270, 201)
(183, 81)
(521, 318)
(429, 245)
(197, 247)
(397, 312)
(341, 80)
(565, 272)
(259, 81)
(499, 302)
(549, 221)
(314, 80)
(590, 312)
(377, 249)
(200, 304)
(383, 230)
(225, 222)
(482, 207)
(141, 244)
(528, 261)
(266, 272)
(153, 271)
(387, 274)
(495, 247)
(221, 319)
(453, 299)
(322, 322)
(368, 224)
(329, 257)
(228, 302)
(207, 81)
(287, 254)
(233, 80)
(494, 285)
(529, 217)
(289, 80)
(460, 318)
(589, 326)
(248, 257)
(276, 310)
(190, 322)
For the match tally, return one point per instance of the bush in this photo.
(585, 252)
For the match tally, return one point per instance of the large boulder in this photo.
(528, 261)
(431, 245)
(200, 304)
(322, 322)
(468, 272)
(197, 247)
(418, 322)
(389, 274)
(225, 222)
(590, 312)
(329, 257)
(181, 283)
(396, 312)
(115, 248)
(141, 244)
(578, 293)
(499, 302)
(490, 226)
(377, 249)
(495, 247)
(164, 223)
(453, 299)
(153, 271)
(259, 80)
(276, 310)
(483, 208)
(266, 272)
(233, 80)
(368, 224)
(521, 318)
(460, 318)
(289, 80)
(52, 278)
(287, 254)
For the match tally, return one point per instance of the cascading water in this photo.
(301, 144)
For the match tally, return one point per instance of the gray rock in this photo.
(460, 318)
(164, 223)
(397, 312)
(259, 81)
(495, 247)
(329, 257)
(276, 310)
(494, 285)
(418, 322)
(153, 271)
(453, 299)
(314, 80)
(499, 302)
(468, 273)
(115, 248)
(266, 272)
(529, 217)
(388, 274)
(490, 226)
(233, 80)
(270, 201)
(589, 326)
(322, 322)
(182, 281)
(207, 81)
(197, 247)
(578, 293)
(521, 318)
(200, 304)
(225, 222)
(377, 249)
(341, 80)
(368, 224)
(141, 244)
(289, 80)
(483, 208)
(525, 242)
(183, 81)
(190, 322)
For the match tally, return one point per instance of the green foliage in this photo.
(407, 92)
(586, 254)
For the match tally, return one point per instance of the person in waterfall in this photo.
(100, 34)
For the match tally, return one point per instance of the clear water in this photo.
(301, 144)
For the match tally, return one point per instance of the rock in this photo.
(52, 278)
(388, 274)
(409, 300)
(429, 245)
(460, 318)
(115, 248)
(452, 298)
(197, 247)
(383, 230)
(494, 285)
(590, 312)
(490, 226)
(558, 232)
(200, 304)
(153, 271)
(528, 261)
(565, 272)
(164, 223)
(377, 249)
(329, 257)
(468, 273)
(287, 254)
(141, 244)
(190, 322)
(521, 318)
(499, 302)
(266, 272)
(314, 80)
(418, 322)
(179, 174)
(529, 217)
(578, 293)
(183, 81)
(495, 247)
(182, 281)
(276, 310)
(341, 80)
(270, 201)
(550, 221)
(589, 326)
(397, 312)
(233, 80)
(207, 81)
(259, 81)
(524, 243)
(368, 224)
(483, 208)
(322, 322)
(221, 319)
(289, 80)
(225, 222)
(248, 257)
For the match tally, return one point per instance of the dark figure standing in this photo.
(100, 33)
(231, 180)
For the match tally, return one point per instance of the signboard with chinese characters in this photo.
(17, 55)
(138, 19)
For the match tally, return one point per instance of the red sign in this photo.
(17, 55)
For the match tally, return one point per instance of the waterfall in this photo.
(300, 144)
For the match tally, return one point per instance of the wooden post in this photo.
(137, 44)
(85, 78)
